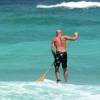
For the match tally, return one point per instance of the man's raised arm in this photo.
(75, 37)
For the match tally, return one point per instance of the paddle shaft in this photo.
(48, 69)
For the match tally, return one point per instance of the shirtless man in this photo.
(60, 54)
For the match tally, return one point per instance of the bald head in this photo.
(58, 32)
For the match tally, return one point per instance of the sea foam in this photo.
(71, 5)
(48, 89)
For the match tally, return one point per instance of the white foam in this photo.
(71, 5)
(48, 89)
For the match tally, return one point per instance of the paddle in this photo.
(43, 76)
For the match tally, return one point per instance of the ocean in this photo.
(27, 28)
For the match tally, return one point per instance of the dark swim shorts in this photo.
(60, 58)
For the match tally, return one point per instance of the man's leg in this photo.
(57, 64)
(57, 76)
(64, 66)
(65, 74)
(57, 73)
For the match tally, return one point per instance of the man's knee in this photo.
(65, 69)
(56, 69)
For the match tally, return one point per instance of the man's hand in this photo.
(76, 33)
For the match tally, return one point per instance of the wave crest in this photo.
(72, 5)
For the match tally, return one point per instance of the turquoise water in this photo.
(26, 33)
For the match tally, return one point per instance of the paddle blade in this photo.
(41, 78)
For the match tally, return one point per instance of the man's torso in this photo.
(60, 43)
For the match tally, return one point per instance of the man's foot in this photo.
(58, 80)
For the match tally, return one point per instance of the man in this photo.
(60, 54)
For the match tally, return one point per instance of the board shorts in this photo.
(60, 58)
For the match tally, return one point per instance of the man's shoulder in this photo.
(64, 36)
(54, 39)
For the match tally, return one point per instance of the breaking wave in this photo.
(71, 5)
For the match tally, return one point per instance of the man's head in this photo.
(58, 32)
